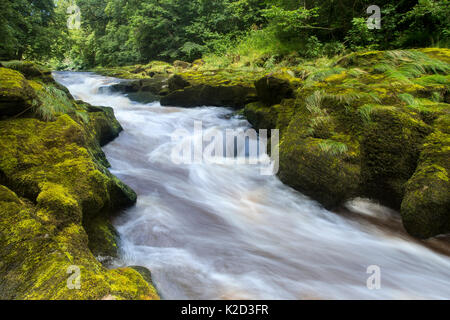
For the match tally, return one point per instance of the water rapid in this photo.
(224, 231)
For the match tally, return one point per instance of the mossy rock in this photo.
(104, 124)
(138, 71)
(177, 82)
(368, 116)
(29, 69)
(36, 260)
(16, 94)
(390, 149)
(54, 180)
(143, 91)
(272, 90)
(235, 96)
(311, 167)
(260, 117)
(426, 205)
(276, 117)
(144, 272)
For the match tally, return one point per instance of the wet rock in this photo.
(177, 82)
(54, 183)
(125, 86)
(144, 272)
(143, 90)
(103, 238)
(309, 166)
(425, 207)
(235, 96)
(355, 129)
(390, 149)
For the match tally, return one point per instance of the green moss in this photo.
(426, 205)
(60, 172)
(337, 77)
(390, 149)
(16, 95)
(438, 53)
(103, 238)
(312, 166)
(260, 116)
(369, 114)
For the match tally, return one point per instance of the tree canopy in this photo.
(119, 32)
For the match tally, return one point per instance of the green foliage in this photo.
(30, 29)
(365, 111)
(54, 102)
(289, 24)
(314, 102)
(247, 33)
(429, 22)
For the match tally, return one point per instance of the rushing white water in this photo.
(223, 231)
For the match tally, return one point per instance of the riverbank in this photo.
(371, 124)
(57, 196)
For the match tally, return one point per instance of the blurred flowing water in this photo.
(223, 231)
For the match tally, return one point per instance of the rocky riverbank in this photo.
(56, 194)
(371, 124)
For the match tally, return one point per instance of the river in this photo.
(224, 231)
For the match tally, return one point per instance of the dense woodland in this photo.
(124, 32)
(361, 113)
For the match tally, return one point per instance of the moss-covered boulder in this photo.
(29, 69)
(56, 199)
(272, 89)
(103, 123)
(181, 64)
(177, 82)
(222, 88)
(150, 70)
(16, 94)
(372, 124)
(322, 169)
(390, 148)
(144, 90)
(260, 116)
(41, 262)
(103, 238)
(276, 117)
(426, 205)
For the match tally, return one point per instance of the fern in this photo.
(53, 102)
(333, 148)
(408, 99)
(314, 102)
(366, 111)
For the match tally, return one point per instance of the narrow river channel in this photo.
(224, 231)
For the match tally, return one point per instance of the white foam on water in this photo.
(223, 231)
